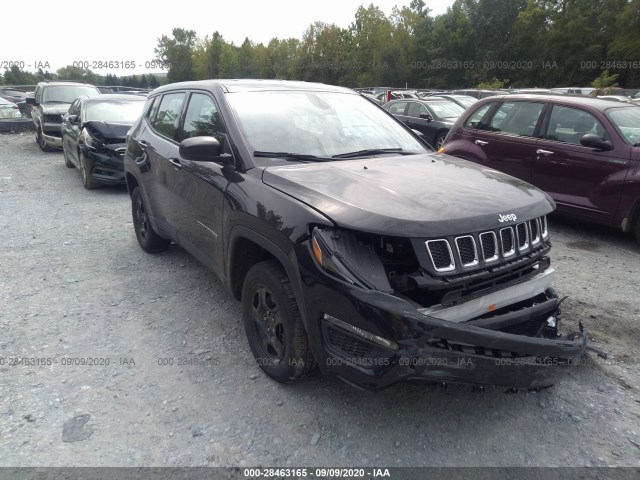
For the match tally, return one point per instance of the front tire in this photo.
(42, 143)
(439, 141)
(148, 239)
(637, 230)
(273, 324)
(67, 162)
(85, 171)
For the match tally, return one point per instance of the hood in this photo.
(55, 108)
(108, 132)
(410, 196)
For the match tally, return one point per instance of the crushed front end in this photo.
(476, 307)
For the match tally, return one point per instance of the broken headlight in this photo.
(342, 255)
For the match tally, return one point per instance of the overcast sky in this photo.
(119, 30)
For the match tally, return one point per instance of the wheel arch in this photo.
(248, 247)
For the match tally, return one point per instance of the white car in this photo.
(9, 109)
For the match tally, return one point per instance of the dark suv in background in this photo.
(351, 244)
(50, 102)
(584, 152)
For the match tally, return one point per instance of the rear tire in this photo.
(273, 324)
(148, 239)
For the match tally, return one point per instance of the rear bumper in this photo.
(372, 340)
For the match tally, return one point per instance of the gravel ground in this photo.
(171, 380)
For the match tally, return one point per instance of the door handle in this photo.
(546, 153)
(482, 143)
(143, 145)
(175, 162)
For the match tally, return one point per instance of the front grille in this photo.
(468, 251)
(50, 118)
(350, 346)
(441, 255)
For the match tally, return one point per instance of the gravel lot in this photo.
(171, 380)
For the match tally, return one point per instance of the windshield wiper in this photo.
(372, 151)
(291, 156)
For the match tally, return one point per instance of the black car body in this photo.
(50, 102)
(94, 131)
(350, 243)
(431, 116)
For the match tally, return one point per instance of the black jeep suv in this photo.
(350, 243)
(50, 102)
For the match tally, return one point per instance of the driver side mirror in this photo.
(204, 149)
(73, 119)
(31, 101)
(592, 140)
(426, 117)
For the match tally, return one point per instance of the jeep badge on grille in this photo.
(506, 218)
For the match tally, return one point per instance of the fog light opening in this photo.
(361, 333)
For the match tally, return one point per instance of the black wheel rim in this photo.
(268, 323)
(142, 221)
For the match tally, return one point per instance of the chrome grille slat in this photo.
(522, 234)
(507, 241)
(535, 231)
(466, 246)
(489, 243)
(441, 255)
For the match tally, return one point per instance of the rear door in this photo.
(507, 142)
(581, 180)
(160, 146)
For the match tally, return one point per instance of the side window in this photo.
(168, 116)
(474, 121)
(569, 125)
(397, 108)
(74, 109)
(519, 118)
(202, 118)
(414, 109)
(151, 107)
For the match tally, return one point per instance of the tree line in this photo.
(519, 43)
(515, 43)
(14, 75)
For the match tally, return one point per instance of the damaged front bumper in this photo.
(372, 339)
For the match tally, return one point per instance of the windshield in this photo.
(67, 93)
(125, 112)
(627, 122)
(322, 124)
(445, 109)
